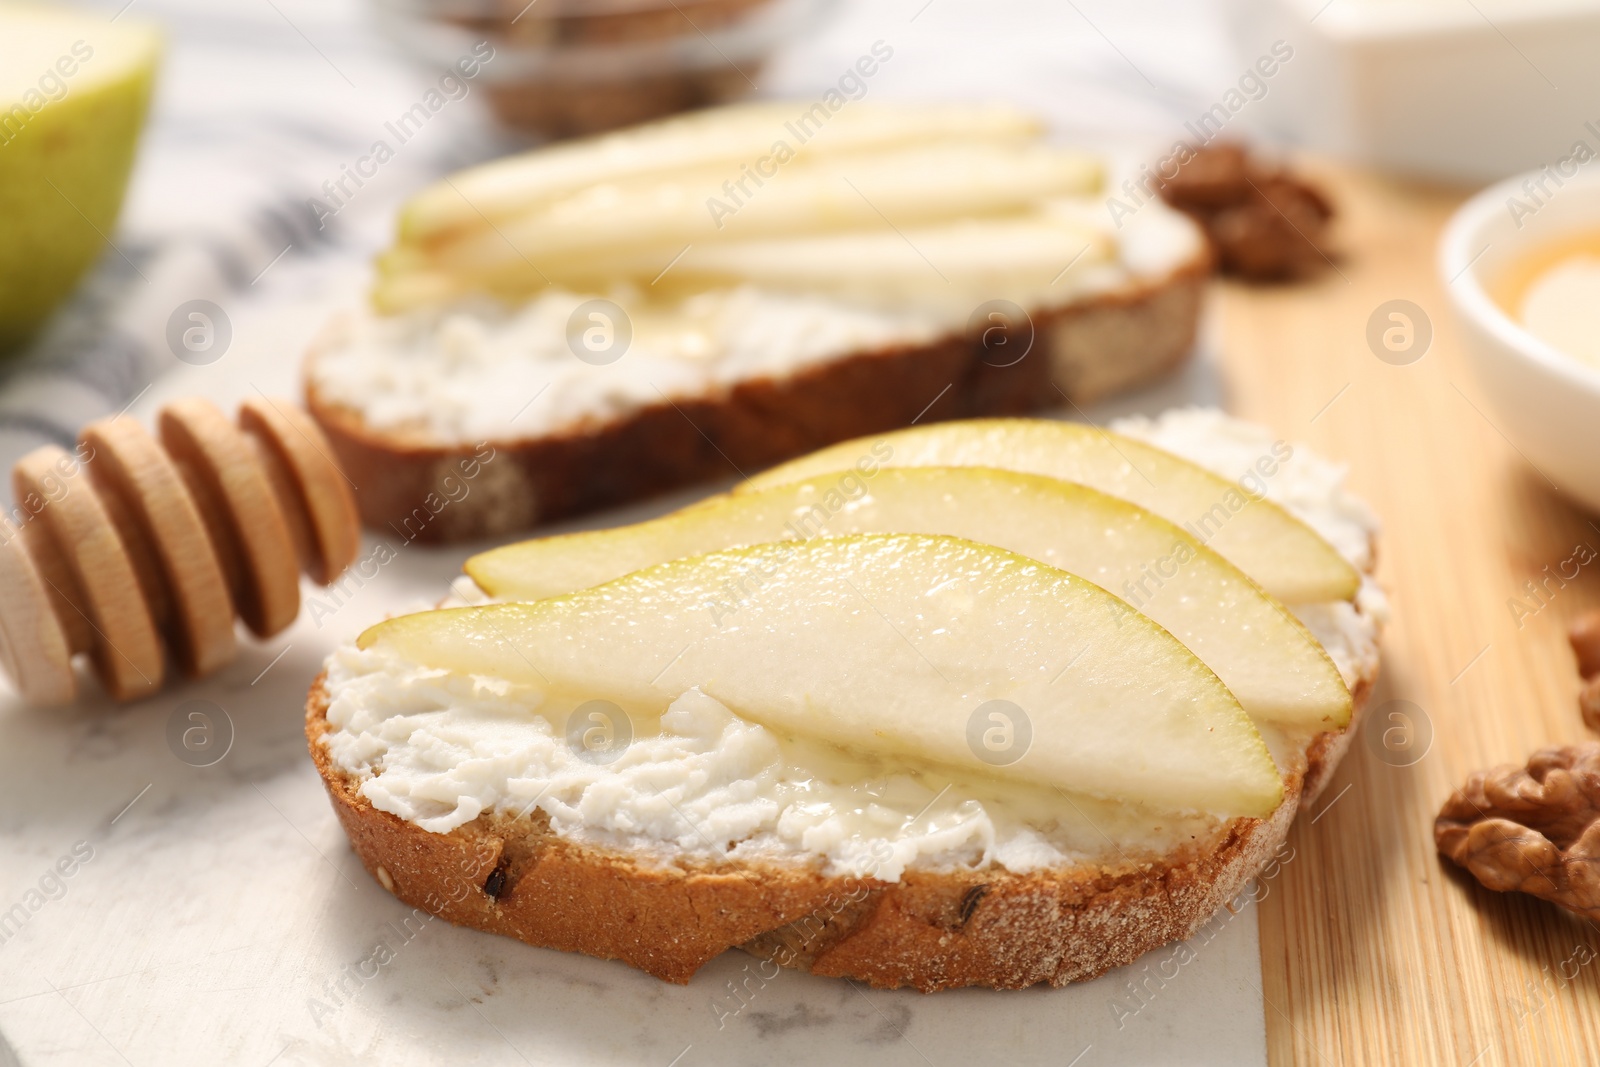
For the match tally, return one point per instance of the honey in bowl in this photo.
(1553, 292)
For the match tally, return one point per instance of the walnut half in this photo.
(1265, 222)
(1534, 829)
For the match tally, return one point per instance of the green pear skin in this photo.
(62, 178)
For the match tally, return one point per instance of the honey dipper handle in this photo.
(136, 550)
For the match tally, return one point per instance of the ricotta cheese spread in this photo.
(439, 749)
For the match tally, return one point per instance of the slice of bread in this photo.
(1084, 350)
(911, 263)
(931, 930)
(952, 920)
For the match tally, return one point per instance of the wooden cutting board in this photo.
(1373, 949)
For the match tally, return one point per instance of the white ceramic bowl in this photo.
(1545, 401)
(1466, 90)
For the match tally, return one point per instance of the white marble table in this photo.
(220, 916)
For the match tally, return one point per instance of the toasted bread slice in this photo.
(912, 263)
(937, 925)
(1084, 350)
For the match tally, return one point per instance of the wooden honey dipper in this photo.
(137, 548)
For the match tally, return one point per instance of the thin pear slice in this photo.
(669, 211)
(727, 137)
(1281, 553)
(1012, 256)
(889, 643)
(1018, 257)
(1263, 654)
(1003, 256)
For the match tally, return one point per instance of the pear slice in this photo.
(1263, 654)
(889, 643)
(663, 213)
(1005, 256)
(1014, 257)
(1281, 553)
(728, 138)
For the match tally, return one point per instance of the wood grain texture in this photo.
(1374, 950)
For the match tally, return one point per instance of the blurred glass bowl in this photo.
(564, 68)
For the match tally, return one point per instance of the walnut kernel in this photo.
(1266, 223)
(1534, 829)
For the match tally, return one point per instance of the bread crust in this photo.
(1083, 351)
(931, 930)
